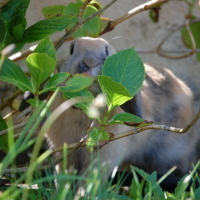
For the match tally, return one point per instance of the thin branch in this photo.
(22, 114)
(138, 130)
(15, 127)
(10, 114)
(80, 23)
(82, 9)
(10, 99)
(138, 9)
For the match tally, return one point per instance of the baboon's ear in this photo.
(133, 106)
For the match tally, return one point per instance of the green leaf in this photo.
(5, 37)
(116, 94)
(17, 31)
(46, 27)
(95, 137)
(35, 103)
(54, 81)
(40, 66)
(90, 28)
(154, 15)
(13, 14)
(72, 9)
(46, 46)
(3, 138)
(88, 97)
(53, 11)
(77, 82)
(12, 73)
(195, 30)
(129, 120)
(125, 117)
(96, 4)
(126, 68)
(197, 193)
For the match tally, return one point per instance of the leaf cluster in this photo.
(58, 18)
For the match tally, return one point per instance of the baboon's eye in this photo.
(107, 50)
(72, 49)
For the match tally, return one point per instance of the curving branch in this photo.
(138, 130)
(159, 50)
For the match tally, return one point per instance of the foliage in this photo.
(122, 77)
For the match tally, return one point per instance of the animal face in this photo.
(87, 56)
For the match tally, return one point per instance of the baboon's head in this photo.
(87, 55)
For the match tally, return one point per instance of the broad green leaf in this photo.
(96, 136)
(46, 27)
(40, 66)
(12, 73)
(77, 82)
(126, 68)
(3, 138)
(53, 11)
(54, 81)
(83, 93)
(116, 94)
(46, 46)
(195, 29)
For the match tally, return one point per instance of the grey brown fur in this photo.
(165, 99)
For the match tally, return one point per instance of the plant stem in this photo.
(105, 119)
